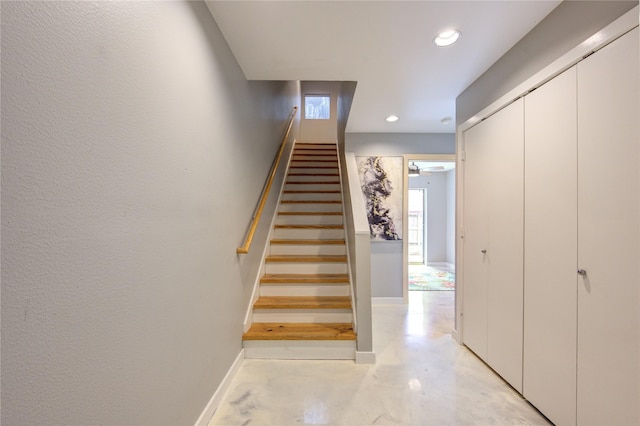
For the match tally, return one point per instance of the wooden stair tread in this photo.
(317, 191)
(310, 213)
(296, 331)
(294, 258)
(310, 202)
(309, 226)
(305, 278)
(313, 161)
(302, 241)
(303, 302)
(305, 182)
(313, 174)
(313, 167)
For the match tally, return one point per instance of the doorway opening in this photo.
(429, 249)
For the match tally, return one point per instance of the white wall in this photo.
(386, 256)
(124, 124)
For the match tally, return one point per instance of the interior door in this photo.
(608, 231)
(505, 249)
(476, 238)
(550, 246)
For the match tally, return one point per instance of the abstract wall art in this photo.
(381, 182)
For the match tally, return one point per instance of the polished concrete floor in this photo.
(421, 377)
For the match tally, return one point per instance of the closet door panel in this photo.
(550, 248)
(608, 249)
(505, 250)
(476, 228)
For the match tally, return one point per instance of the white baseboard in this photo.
(387, 301)
(456, 336)
(365, 357)
(215, 400)
(300, 349)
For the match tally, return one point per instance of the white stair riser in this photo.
(304, 290)
(310, 177)
(312, 187)
(309, 220)
(299, 349)
(312, 170)
(305, 268)
(302, 315)
(310, 164)
(331, 249)
(310, 207)
(308, 233)
(314, 196)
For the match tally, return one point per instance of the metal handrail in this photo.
(244, 249)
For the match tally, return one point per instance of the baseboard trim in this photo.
(365, 357)
(387, 301)
(215, 400)
(456, 336)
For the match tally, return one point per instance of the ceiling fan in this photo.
(425, 171)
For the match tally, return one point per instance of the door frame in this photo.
(405, 211)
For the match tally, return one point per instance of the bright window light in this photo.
(317, 107)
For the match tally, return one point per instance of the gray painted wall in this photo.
(124, 124)
(564, 28)
(386, 256)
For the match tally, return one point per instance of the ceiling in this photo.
(386, 46)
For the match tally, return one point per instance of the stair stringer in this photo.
(255, 292)
(346, 241)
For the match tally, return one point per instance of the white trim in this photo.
(215, 400)
(456, 336)
(300, 349)
(348, 243)
(388, 301)
(365, 357)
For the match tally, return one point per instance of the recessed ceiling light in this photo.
(392, 118)
(446, 38)
(446, 120)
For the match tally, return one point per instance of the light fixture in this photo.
(446, 38)
(413, 170)
(392, 118)
(446, 120)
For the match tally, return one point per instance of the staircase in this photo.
(304, 307)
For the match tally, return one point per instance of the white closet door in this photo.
(505, 249)
(493, 238)
(608, 230)
(550, 248)
(476, 239)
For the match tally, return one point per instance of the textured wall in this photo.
(123, 128)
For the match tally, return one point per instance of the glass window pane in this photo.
(316, 107)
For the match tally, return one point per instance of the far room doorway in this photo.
(429, 221)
